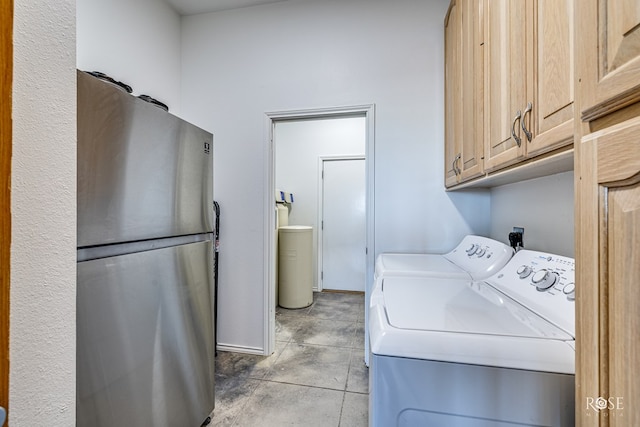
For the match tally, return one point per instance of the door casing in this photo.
(271, 118)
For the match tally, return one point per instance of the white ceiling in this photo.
(192, 7)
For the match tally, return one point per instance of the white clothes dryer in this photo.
(474, 258)
(460, 353)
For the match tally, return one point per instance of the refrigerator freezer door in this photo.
(145, 350)
(142, 172)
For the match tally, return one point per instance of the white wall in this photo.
(136, 42)
(298, 147)
(240, 64)
(543, 206)
(43, 204)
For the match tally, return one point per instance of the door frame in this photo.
(321, 161)
(6, 88)
(368, 111)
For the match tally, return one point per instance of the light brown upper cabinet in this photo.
(553, 90)
(507, 40)
(471, 155)
(617, 55)
(528, 79)
(453, 91)
(463, 91)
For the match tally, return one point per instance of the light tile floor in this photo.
(316, 376)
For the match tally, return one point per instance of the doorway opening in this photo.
(296, 140)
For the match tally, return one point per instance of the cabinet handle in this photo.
(523, 123)
(515, 137)
(456, 169)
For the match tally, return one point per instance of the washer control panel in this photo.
(480, 256)
(542, 282)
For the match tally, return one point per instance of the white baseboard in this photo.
(241, 349)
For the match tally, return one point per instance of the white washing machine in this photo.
(475, 257)
(461, 353)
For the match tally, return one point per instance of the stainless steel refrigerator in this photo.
(145, 329)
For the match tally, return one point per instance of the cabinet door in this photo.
(505, 81)
(453, 92)
(472, 144)
(614, 43)
(607, 294)
(553, 96)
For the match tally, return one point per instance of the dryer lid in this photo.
(460, 306)
(399, 264)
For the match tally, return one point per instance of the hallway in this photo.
(315, 377)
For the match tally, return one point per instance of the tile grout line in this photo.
(344, 397)
(302, 385)
(235, 418)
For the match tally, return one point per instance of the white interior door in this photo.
(343, 224)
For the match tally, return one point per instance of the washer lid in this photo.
(447, 305)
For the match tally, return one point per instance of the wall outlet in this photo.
(516, 239)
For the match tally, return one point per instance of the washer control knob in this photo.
(570, 291)
(472, 249)
(480, 252)
(524, 271)
(544, 279)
